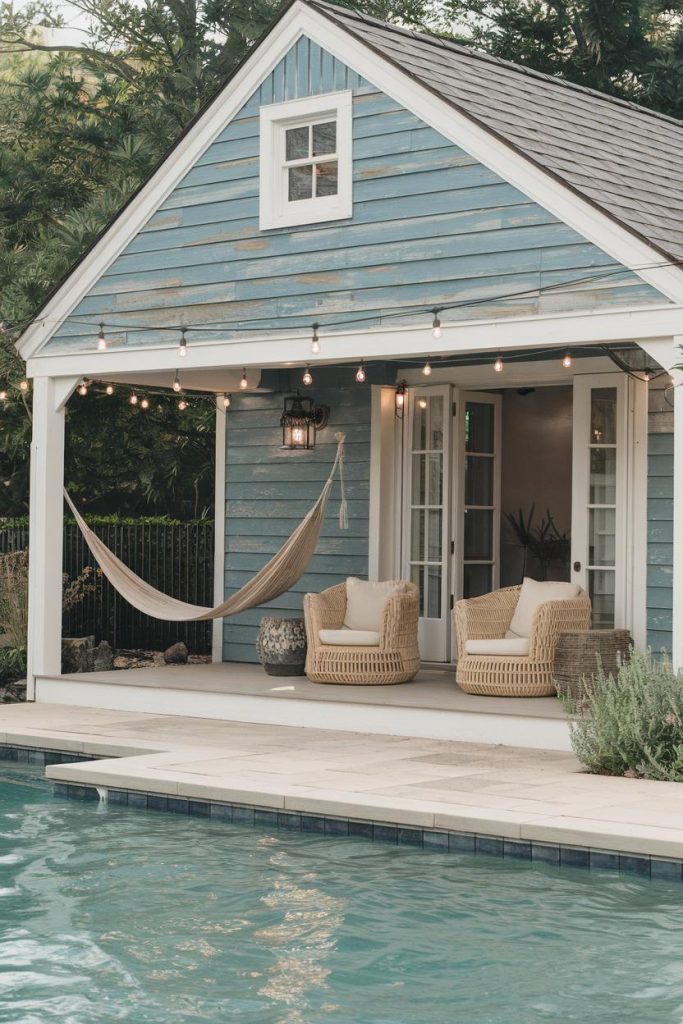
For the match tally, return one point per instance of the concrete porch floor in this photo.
(523, 794)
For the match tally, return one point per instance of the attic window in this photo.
(305, 159)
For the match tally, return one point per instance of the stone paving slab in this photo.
(516, 793)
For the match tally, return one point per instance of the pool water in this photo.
(112, 914)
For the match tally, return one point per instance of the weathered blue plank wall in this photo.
(268, 492)
(660, 521)
(430, 225)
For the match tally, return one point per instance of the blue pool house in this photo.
(475, 269)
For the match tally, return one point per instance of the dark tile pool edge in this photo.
(554, 854)
(43, 758)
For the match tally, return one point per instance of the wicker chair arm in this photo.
(484, 618)
(325, 610)
(553, 618)
(398, 628)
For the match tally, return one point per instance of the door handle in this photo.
(577, 566)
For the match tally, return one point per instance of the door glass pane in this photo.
(433, 592)
(435, 406)
(296, 143)
(478, 534)
(435, 475)
(324, 138)
(326, 178)
(300, 182)
(420, 424)
(426, 497)
(416, 574)
(477, 580)
(602, 536)
(603, 416)
(601, 593)
(419, 489)
(603, 478)
(418, 536)
(479, 427)
(478, 480)
(434, 535)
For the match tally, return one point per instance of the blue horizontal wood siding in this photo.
(430, 226)
(660, 513)
(268, 492)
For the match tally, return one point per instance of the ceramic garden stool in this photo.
(281, 646)
(577, 655)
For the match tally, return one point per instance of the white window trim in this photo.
(275, 211)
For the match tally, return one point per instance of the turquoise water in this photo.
(112, 914)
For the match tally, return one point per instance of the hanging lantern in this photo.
(300, 420)
(400, 399)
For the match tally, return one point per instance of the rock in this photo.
(77, 654)
(176, 654)
(102, 657)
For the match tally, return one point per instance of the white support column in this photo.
(46, 529)
(219, 529)
(677, 618)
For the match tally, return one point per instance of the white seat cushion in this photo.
(350, 637)
(503, 648)
(533, 594)
(365, 602)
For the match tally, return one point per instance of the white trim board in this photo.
(301, 19)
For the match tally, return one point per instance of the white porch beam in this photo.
(46, 526)
(646, 325)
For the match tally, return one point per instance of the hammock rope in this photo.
(283, 570)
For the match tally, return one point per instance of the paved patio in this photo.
(503, 791)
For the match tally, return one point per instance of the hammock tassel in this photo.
(343, 504)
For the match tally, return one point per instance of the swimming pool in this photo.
(109, 914)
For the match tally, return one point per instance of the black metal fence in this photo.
(175, 558)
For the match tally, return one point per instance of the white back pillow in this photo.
(365, 602)
(533, 594)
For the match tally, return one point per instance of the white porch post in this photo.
(46, 529)
(677, 619)
(219, 530)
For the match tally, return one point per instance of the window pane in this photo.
(326, 178)
(420, 424)
(417, 577)
(478, 534)
(418, 490)
(300, 182)
(435, 479)
(603, 416)
(479, 421)
(417, 540)
(478, 481)
(603, 480)
(433, 591)
(601, 593)
(601, 536)
(434, 535)
(324, 138)
(296, 142)
(476, 580)
(436, 423)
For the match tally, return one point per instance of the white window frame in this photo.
(275, 209)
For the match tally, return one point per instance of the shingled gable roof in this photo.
(626, 160)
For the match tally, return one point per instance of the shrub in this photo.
(632, 723)
(13, 599)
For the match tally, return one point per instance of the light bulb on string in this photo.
(3, 396)
(23, 386)
(83, 387)
(567, 360)
(176, 383)
(436, 326)
(498, 365)
(315, 341)
(101, 340)
(360, 373)
(182, 348)
(144, 404)
(133, 398)
(307, 378)
(427, 368)
(647, 376)
(226, 401)
(182, 405)
(109, 389)
(422, 403)
(244, 383)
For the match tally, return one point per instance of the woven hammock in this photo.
(275, 578)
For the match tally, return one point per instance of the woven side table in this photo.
(577, 655)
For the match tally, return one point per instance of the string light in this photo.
(498, 365)
(427, 368)
(315, 341)
(83, 387)
(3, 326)
(567, 361)
(307, 378)
(360, 373)
(176, 383)
(244, 383)
(109, 389)
(133, 398)
(436, 325)
(101, 340)
(182, 405)
(3, 396)
(422, 402)
(23, 386)
(647, 376)
(144, 404)
(182, 348)
(226, 401)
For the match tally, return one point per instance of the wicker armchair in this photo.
(489, 618)
(395, 660)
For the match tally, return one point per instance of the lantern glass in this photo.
(298, 423)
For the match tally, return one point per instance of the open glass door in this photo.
(599, 489)
(425, 533)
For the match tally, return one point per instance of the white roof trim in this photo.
(597, 227)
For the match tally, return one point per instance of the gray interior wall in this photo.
(536, 468)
